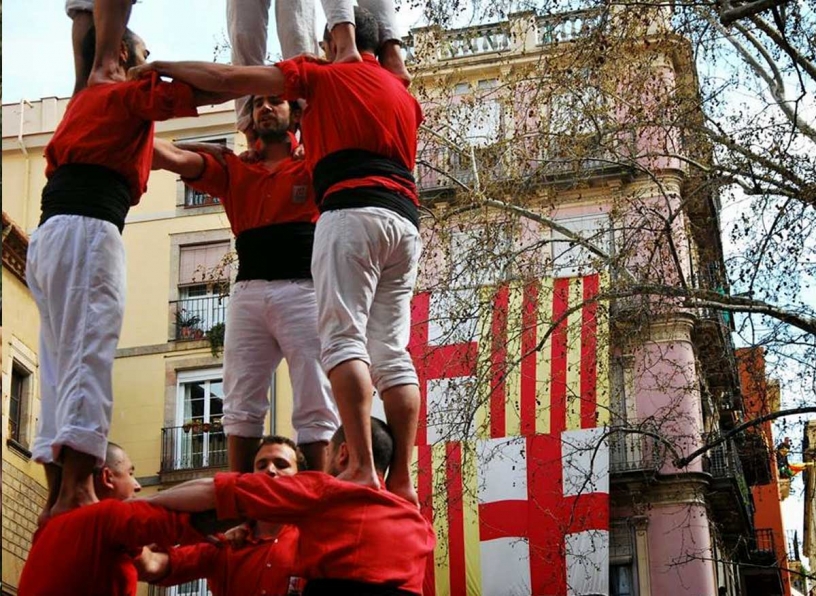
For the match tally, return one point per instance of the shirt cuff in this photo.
(292, 79)
(226, 505)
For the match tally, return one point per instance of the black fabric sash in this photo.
(353, 164)
(277, 251)
(88, 190)
(347, 587)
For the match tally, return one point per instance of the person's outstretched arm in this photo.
(110, 20)
(230, 81)
(191, 496)
(166, 156)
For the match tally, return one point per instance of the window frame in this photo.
(582, 268)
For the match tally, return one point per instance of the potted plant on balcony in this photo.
(216, 426)
(216, 337)
(187, 325)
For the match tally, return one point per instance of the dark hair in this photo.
(89, 48)
(366, 31)
(382, 443)
(113, 453)
(279, 440)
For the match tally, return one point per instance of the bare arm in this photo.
(166, 156)
(110, 20)
(193, 496)
(231, 81)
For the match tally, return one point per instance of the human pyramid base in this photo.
(324, 209)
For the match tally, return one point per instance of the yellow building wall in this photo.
(24, 492)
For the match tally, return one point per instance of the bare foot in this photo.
(402, 488)
(391, 60)
(361, 476)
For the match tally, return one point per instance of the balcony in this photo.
(196, 317)
(191, 450)
(194, 199)
(442, 169)
(193, 588)
(632, 453)
(522, 32)
(730, 497)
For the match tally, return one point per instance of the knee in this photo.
(391, 367)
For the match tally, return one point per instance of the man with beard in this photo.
(272, 313)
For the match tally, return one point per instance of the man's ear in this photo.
(342, 454)
(106, 476)
(124, 55)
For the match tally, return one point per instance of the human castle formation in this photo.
(334, 192)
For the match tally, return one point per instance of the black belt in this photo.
(347, 587)
(88, 190)
(277, 251)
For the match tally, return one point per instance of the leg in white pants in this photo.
(251, 355)
(247, 24)
(364, 266)
(293, 308)
(76, 272)
(267, 320)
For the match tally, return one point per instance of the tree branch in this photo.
(682, 462)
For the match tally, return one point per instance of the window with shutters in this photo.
(203, 289)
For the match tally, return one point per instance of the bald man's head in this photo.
(116, 478)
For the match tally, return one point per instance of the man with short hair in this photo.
(265, 565)
(272, 312)
(360, 131)
(98, 163)
(116, 478)
(347, 531)
(90, 551)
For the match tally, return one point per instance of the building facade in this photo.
(531, 177)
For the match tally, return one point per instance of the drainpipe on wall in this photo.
(27, 183)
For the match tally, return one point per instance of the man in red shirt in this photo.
(272, 312)
(354, 539)
(266, 565)
(91, 550)
(98, 162)
(360, 135)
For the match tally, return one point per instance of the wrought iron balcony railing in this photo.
(194, 318)
(193, 446)
(193, 588)
(194, 198)
(634, 452)
(764, 542)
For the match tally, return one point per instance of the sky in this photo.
(40, 31)
(37, 62)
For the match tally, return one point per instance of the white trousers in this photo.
(296, 20)
(267, 321)
(364, 266)
(76, 272)
(74, 6)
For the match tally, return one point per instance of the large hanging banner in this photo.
(512, 467)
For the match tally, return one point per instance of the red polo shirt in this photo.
(356, 105)
(89, 551)
(254, 196)
(265, 566)
(112, 126)
(347, 531)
